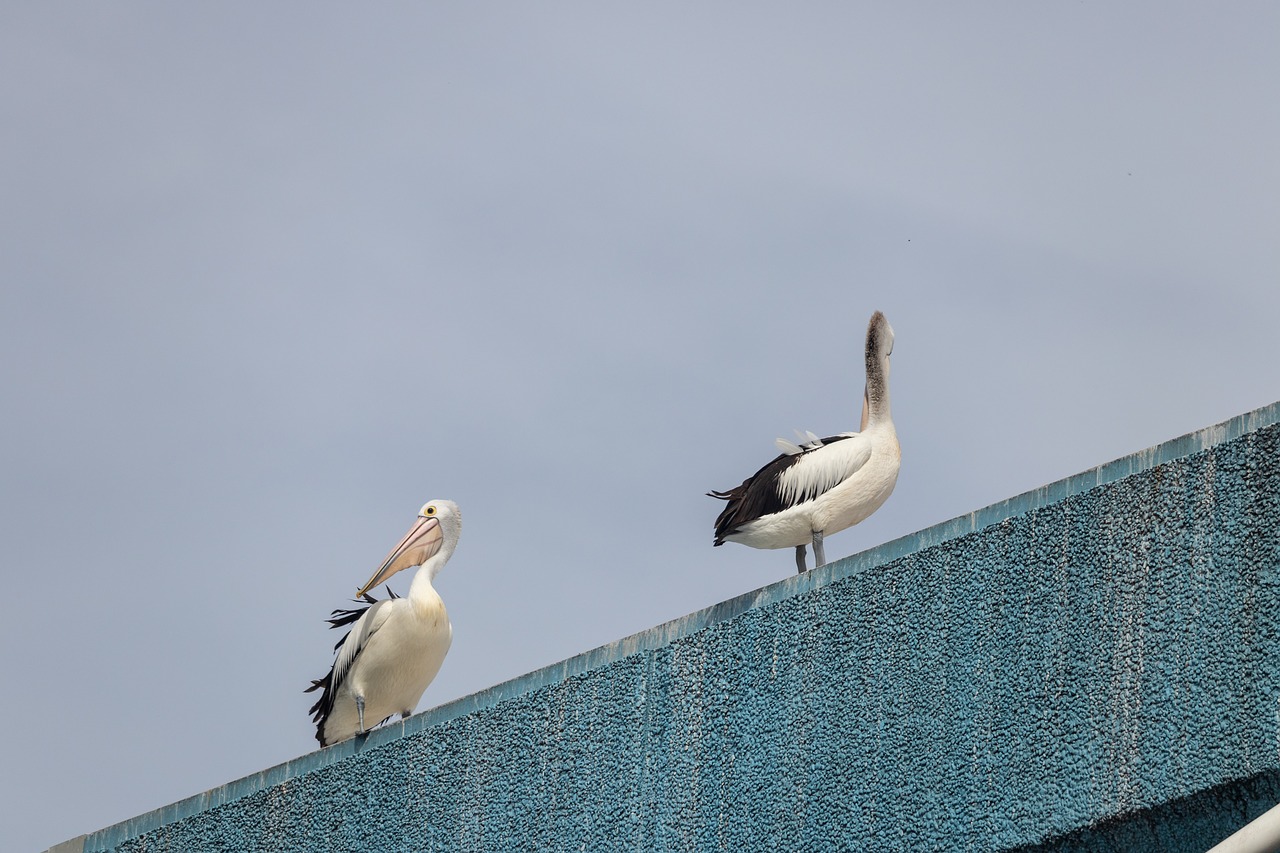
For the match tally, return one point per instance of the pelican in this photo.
(821, 485)
(395, 648)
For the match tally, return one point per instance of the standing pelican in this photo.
(821, 485)
(396, 645)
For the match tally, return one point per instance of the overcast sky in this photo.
(274, 275)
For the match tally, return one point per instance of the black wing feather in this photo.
(758, 495)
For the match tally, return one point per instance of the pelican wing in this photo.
(791, 479)
(338, 618)
(361, 632)
(821, 468)
(367, 621)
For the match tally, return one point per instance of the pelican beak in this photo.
(420, 544)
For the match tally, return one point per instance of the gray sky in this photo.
(275, 275)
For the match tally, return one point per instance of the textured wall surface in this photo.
(1093, 665)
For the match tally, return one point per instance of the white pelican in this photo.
(396, 645)
(821, 485)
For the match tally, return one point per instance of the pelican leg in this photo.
(819, 558)
(800, 559)
(360, 711)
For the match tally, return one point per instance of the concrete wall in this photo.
(1093, 665)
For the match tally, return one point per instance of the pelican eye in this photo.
(428, 510)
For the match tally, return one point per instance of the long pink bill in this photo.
(418, 545)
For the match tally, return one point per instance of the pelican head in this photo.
(879, 337)
(435, 532)
(875, 394)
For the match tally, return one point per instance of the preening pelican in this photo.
(821, 485)
(396, 645)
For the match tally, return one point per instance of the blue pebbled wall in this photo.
(1092, 665)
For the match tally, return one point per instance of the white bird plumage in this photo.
(396, 646)
(808, 441)
(821, 485)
